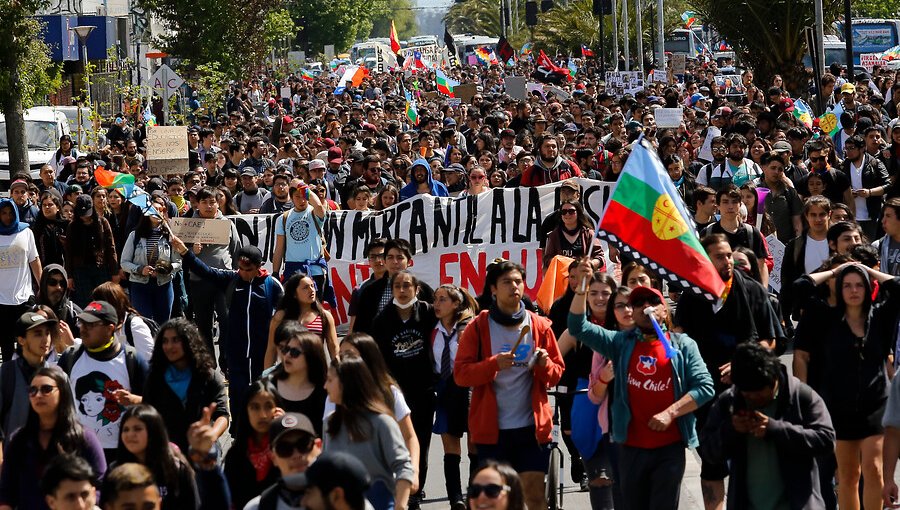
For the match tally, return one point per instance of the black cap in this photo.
(288, 423)
(249, 170)
(338, 469)
(30, 320)
(99, 311)
(250, 253)
(84, 206)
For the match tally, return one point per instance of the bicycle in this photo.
(553, 487)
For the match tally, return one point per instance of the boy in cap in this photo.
(293, 448)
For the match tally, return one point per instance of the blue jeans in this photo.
(153, 300)
(380, 496)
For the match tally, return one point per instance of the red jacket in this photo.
(471, 369)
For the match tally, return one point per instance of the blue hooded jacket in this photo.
(410, 190)
(16, 226)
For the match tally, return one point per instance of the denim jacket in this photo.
(691, 376)
(134, 258)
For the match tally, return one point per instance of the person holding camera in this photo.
(150, 262)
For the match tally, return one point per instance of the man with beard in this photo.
(549, 166)
(278, 200)
(422, 182)
(735, 169)
(54, 293)
(746, 315)
(371, 177)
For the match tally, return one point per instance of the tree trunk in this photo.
(15, 135)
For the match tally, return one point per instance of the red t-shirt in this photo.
(650, 391)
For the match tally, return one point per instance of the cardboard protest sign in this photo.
(668, 117)
(200, 230)
(167, 150)
(619, 83)
(515, 87)
(465, 91)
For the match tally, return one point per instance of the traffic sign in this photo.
(167, 80)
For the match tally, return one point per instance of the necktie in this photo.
(446, 362)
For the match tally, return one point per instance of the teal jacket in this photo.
(691, 376)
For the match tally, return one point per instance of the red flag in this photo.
(586, 52)
(548, 72)
(395, 41)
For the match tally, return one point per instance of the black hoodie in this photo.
(65, 310)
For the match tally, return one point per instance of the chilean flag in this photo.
(586, 52)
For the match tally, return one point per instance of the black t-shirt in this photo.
(836, 183)
(747, 236)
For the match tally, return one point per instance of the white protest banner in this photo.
(285, 92)
(619, 83)
(668, 117)
(776, 249)
(706, 148)
(454, 238)
(429, 52)
(167, 150)
(870, 60)
(679, 63)
(200, 230)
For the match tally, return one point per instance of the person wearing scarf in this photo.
(19, 254)
(509, 357)
(573, 237)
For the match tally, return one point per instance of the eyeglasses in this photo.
(291, 351)
(568, 212)
(817, 160)
(56, 282)
(491, 490)
(285, 448)
(44, 389)
(719, 149)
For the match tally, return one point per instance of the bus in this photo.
(871, 35)
(684, 41)
(835, 52)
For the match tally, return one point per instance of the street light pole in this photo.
(83, 32)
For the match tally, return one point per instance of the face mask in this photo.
(407, 305)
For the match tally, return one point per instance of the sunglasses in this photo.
(491, 490)
(291, 351)
(652, 301)
(56, 282)
(477, 177)
(44, 389)
(817, 160)
(568, 212)
(285, 448)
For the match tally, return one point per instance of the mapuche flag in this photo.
(646, 217)
(444, 83)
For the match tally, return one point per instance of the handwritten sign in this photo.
(679, 63)
(870, 60)
(668, 117)
(167, 150)
(776, 248)
(200, 230)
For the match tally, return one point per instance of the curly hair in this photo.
(199, 358)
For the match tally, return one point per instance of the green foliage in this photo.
(876, 8)
(26, 70)
(482, 17)
(279, 26)
(768, 34)
(210, 81)
(404, 19)
(337, 22)
(223, 31)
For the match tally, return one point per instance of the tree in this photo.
(404, 18)
(876, 8)
(767, 34)
(482, 17)
(26, 73)
(337, 22)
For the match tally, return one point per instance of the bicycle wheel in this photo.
(552, 488)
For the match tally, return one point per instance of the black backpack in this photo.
(129, 335)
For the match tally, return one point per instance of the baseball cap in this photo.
(570, 183)
(454, 168)
(316, 164)
(335, 155)
(338, 469)
(84, 206)
(724, 111)
(639, 294)
(697, 97)
(570, 127)
(250, 253)
(449, 121)
(99, 311)
(848, 88)
(248, 171)
(18, 183)
(73, 188)
(356, 156)
(30, 320)
(288, 423)
(787, 105)
(782, 146)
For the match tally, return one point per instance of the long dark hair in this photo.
(230, 210)
(610, 322)
(313, 349)
(292, 307)
(199, 359)
(161, 459)
(359, 397)
(67, 432)
(583, 220)
(516, 496)
(145, 228)
(244, 430)
(371, 354)
(867, 295)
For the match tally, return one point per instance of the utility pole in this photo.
(820, 39)
(848, 38)
(639, 32)
(625, 32)
(661, 36)
(615, 34)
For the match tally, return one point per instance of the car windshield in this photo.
(40, 135)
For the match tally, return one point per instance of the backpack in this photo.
(129, 335)
(268, 500)
(132, 366)
(7, 388)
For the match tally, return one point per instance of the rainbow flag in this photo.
(803, 112)
(110, 179)
(689, 18)
(648, 220)
(486, 56)
(306, 75)
(444, 83)
(891, 53)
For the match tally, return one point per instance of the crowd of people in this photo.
(153, 373)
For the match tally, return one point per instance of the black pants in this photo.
(651, 478)
(9, 314)
(206, 300)
(421, 405)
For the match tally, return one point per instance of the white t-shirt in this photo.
(140, 332)
(16, 252)
(93, 384)
(816, 254)
(401, 409)
(862, 211)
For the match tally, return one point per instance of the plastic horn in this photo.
(761, 194)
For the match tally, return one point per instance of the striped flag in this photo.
(411, 112)
(486, 56)
(444, 83)
(586, 52)
(306, 75)
(689, 18)
(803, 112)
(395, 41)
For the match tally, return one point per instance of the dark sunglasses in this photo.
(568, 212)
(285, 448)
(44, 389)
(491, 490)
(291, 351)
(56, 282)
(817, 160)
(652, 301)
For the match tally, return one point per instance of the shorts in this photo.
(452, 410)
(709, 470)
(519, 448)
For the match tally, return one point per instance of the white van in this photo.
(71, 113)
(43, 127)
